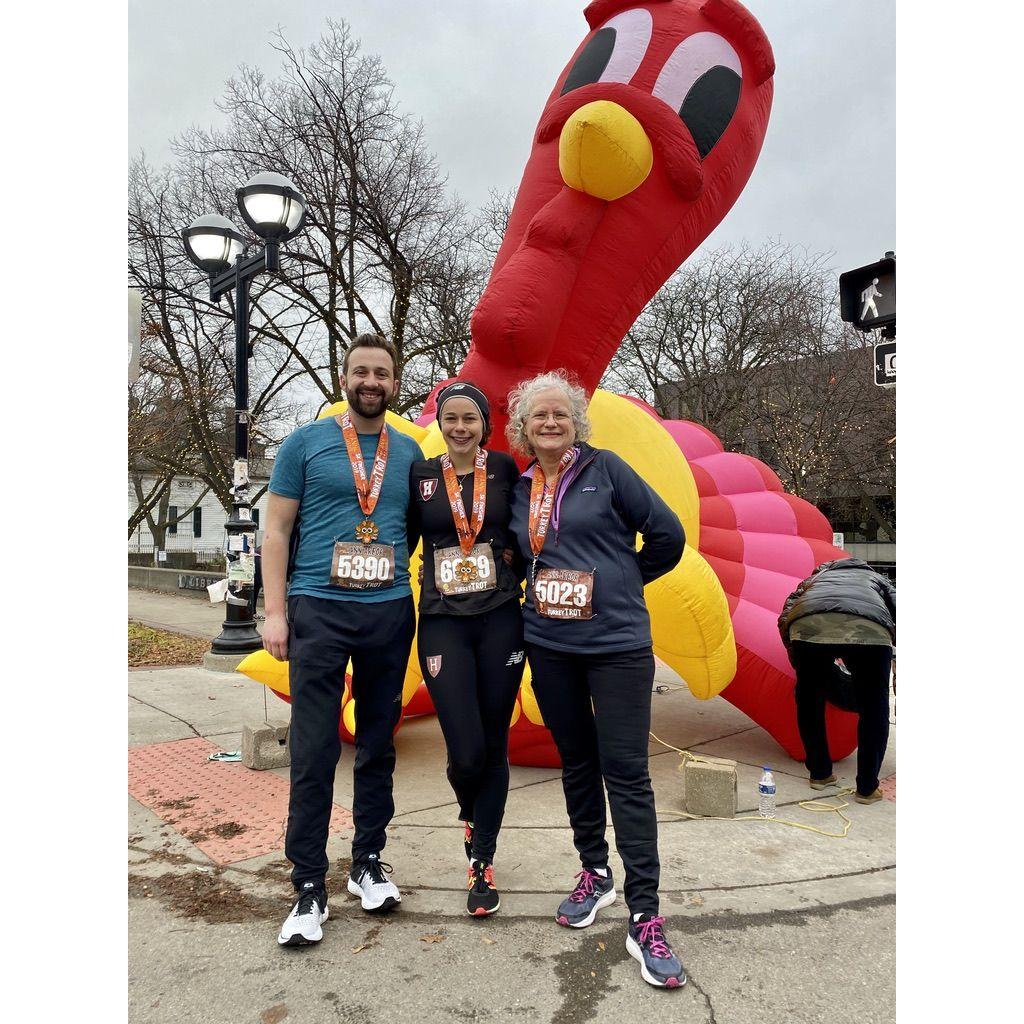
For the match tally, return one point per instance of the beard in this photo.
(368, 405)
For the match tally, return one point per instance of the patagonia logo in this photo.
(427, 488)
(515, 658)
(583, 490)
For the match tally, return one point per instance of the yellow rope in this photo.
(817, 805)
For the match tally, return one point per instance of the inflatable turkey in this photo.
(647, 139)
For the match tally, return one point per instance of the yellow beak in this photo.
(604, 151)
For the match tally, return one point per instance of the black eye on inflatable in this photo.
(702, 81)
(613, 52)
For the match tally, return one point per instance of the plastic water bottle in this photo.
(766, 794)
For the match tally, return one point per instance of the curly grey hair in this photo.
(522, 398)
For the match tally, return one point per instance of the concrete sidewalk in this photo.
(773, 923)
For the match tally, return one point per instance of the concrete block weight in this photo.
(265, 745)
(709, 788)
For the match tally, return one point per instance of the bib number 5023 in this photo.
(564, 594)
(561, 592)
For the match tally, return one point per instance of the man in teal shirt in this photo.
(342, 483)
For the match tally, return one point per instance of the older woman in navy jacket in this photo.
(576, 512)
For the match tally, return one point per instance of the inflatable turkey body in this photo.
(649, 136)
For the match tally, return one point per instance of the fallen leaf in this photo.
(359, 949)
(431, 938)
(490, 942)
(274, 1014)
(600, 946)
(697, 900)
(593, 974)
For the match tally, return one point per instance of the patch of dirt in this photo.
(158, 648)
(225, 830)
(205, 896)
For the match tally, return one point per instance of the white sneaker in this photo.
(369, 882)
(302, 925)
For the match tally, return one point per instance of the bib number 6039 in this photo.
(482, 563)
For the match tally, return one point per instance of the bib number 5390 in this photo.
(357, 566)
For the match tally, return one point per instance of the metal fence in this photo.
(182, 550)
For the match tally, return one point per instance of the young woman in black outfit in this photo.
(470, 625)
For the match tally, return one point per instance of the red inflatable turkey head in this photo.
(646, 141)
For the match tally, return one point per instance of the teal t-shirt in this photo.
(312, 466)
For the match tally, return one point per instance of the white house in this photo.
(202, 529)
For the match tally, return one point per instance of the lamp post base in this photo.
(237, 637)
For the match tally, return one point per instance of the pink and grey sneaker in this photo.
(646, 942)
(592, 892)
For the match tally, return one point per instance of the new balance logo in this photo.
(514, 658)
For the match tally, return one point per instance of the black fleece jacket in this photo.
(602, 505)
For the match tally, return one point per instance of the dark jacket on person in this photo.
(430, 517)
(848, 585)
(600, 507)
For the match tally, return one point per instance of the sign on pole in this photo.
(867, 295)
(837, 540)
(885, 364)
(134, 333)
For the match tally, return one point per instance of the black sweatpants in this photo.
(473, 686)
(818, 680)
(322, 636)
(598, 708)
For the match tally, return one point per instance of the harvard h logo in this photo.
(434, 665)
(427, 488)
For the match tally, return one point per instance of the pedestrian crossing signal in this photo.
(867, 295)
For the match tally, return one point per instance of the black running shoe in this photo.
(467, 841)
(646, 942)
(483, 898)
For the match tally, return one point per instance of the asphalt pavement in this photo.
(774, 923)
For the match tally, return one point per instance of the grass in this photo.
(158, 647)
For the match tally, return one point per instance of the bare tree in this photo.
(180, 409)
(749, 342)
(382, 239)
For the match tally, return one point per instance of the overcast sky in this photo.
(478, 72)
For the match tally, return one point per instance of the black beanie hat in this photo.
(463, 389)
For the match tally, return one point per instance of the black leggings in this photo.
(867, 692)
(598, 708)
(472, 665)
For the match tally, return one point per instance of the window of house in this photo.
(197, 522)
(172, 517)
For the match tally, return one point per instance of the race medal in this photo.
(366, 531)
(542, 500)
(362, 566)
(457, 573)
(564, 594)
(469, 568)
(367, 489)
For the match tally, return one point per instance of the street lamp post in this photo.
(273, 210)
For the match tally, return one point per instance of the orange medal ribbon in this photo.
(542, 500)
(367, 490)
(467, 529)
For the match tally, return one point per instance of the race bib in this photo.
(564, 594)
(456, 573)
(358, 566)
